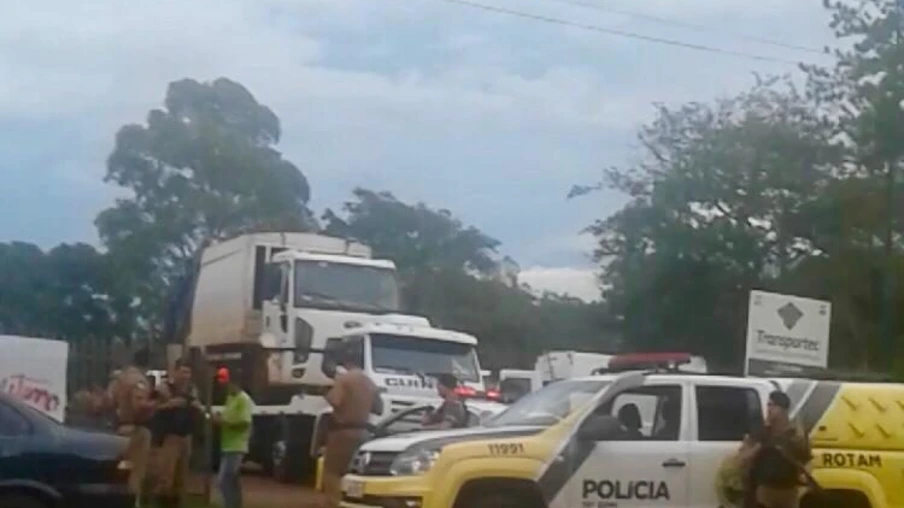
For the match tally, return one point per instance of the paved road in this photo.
(262, 492)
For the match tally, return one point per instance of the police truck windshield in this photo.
(345, 286)
(400, 354)
(550, 405)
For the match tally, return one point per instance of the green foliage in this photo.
(201, 169)
(414, 236)
(64, 293)
(715, 209)
(771, 189)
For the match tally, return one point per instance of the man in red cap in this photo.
(235, 432)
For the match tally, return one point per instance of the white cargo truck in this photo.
(272, 306)
(558, 365)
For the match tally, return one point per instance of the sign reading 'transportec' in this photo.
(786, 335)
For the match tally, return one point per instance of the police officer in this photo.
(353, 397)
(452, 413)
(178, 410)
(779, 454)
(129, 395)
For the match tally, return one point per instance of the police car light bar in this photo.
(646, 361)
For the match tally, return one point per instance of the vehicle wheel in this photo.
(295, 464)
(278, 466)
(500, 501)
(20, 501)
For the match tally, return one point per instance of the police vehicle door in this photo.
(726, 411)
(649, 466)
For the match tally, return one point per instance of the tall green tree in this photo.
(714, 211)
(202, 168)
(415, 236)
(63, 293)
(862, 96)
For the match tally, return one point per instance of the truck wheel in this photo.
(20, 501)
(295, 464)
(278, 461)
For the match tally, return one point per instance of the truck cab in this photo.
(403, 359)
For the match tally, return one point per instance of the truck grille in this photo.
(373, 463)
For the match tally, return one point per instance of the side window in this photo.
(12, 423)
(271, 281)
(328, 365)
(649, 413)
(727, 413)
(514, 388)
(355, 345)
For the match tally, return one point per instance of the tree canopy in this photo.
(65, 292)
(202, 168)
(771, 189)
(793, 189)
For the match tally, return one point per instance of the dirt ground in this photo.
(262, 492)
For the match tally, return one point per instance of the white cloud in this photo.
(489, 115)
(576, 282)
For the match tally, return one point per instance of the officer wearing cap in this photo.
(779, 453)
(129, 395)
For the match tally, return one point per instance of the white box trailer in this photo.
(557, 365)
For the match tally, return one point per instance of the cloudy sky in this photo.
(490, 115)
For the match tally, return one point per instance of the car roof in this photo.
(673, 376)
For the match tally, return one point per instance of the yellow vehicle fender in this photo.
(849, 479)
(460, 474)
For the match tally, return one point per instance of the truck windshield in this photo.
(550, 405)
(404, 354)
(344, 286)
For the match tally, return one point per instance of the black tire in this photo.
(297, 465)
(278, 467)
(21, 501)
(500, 501)
(499, 493)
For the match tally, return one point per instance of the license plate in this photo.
(353, 488)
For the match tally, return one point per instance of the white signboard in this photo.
(34, 370)
(786, 334)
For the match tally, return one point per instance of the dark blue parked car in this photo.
(44, 464)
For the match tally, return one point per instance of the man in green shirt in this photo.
(235, 432)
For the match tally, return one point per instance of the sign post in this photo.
(786, 335)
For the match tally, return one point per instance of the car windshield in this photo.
(550, 405)
(343, 286)
(399, 354)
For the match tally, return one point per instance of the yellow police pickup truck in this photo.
(636, 440)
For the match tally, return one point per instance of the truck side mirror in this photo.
(600, 428)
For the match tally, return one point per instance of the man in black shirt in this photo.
(174, 425)
(452, 413)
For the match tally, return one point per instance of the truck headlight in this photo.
(414, 462)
